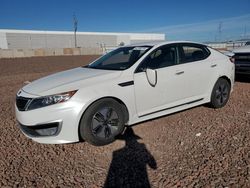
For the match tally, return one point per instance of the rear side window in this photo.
(192, 52)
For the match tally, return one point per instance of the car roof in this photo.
(160, 43)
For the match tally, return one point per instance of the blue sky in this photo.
(180, 20)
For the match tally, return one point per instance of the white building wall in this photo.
(145, 36)
(3, 41)
(123, 38)
(26, 39)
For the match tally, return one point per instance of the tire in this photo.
(102, 122)
(220, 93)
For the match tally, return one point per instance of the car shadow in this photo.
(128, 167)
(242, 78)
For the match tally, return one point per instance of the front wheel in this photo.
(220, 93)
(102, 122)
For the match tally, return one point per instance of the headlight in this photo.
(50, 100)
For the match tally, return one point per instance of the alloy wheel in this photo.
(105, 123)
(222, 94)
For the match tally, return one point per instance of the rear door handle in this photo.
(179, 72)
(213, 65)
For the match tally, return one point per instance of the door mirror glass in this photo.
(151, 76)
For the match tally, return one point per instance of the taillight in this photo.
(232, 59)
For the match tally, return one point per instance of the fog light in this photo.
(50, 129)
(46, 132)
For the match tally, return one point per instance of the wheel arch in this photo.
(215, 81)
(213, 102)
(123, 105)
(226, 78)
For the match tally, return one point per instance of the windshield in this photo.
(120, 59)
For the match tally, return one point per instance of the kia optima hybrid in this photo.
(128, 85)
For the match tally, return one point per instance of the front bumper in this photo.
(53, 124)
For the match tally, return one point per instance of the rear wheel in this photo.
(102, 122)
(220, 93)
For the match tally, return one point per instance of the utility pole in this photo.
(75, 22)
(220, 31)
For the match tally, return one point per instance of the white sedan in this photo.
(128, 85)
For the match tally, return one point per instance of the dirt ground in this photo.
(199, 147)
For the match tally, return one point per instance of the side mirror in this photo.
(151, 76)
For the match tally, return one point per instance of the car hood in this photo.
(74, 79)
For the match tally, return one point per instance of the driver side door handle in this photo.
(179, 72)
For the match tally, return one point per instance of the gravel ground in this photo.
(199, 147)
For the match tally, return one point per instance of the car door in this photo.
(197, 70)
(168, 90)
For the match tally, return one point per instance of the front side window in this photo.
(162, 57)
(189, 53)
(120, 59)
